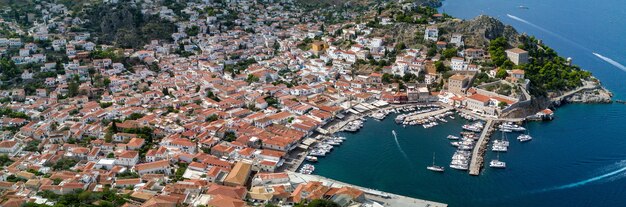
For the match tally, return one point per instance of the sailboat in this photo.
(497, 163)
(435, 167)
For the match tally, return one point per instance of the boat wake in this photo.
(395, 137)
(611, 61)
(545, 30)
(610, 175)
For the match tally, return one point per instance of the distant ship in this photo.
(522, 7)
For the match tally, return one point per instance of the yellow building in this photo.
(238, 176)
(319, 46)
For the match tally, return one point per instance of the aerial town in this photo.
(226, 108)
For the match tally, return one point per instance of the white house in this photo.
(127, 158)
(431, 33)
(157, 167)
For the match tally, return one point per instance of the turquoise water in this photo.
(576, 160)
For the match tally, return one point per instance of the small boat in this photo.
(435, 167)
(453, 137)
(524, 138)
(311, 158)
(522, 7)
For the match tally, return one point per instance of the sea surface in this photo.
(578, 159)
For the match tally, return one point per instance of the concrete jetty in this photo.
(479, 150)
(429, 114)
(380, 197)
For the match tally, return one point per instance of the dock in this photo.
(479, 150)
(429, 114)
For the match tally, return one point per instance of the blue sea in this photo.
(578, 159)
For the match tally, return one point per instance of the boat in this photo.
(524, 138)
(307, 169)
(311, 158)
(497, 163)
(394, 133)
(512, 127)
(435, 167)
(459, 167)
(453, 137)
(522, 7)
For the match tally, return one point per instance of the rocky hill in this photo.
(480, 30)
(124, 25)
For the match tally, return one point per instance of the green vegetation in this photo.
(498, 56)
(318, 203)
(124, 25)
(13, 114)
(14, 179)
(106, 198)
(230, 136)
(211, 118)
(64, 164)
(192, 31)
(180, 171)
(4, 160)
(549, 72)
(239, 66)
(271, 101)
(546, 70)
(252, 79)
(126, 175)
(135, 116)
(32, 146)
(449, 53)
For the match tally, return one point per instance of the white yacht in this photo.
(497, 163)
(452, 137)
(524, 138)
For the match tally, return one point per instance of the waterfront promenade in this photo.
(479, 150)
(380, 197)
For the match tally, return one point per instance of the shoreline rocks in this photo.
(599, 95)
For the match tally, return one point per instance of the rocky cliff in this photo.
(480, 30)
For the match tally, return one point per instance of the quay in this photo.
(379, 197)
(429, 114)
(479, 149)
(336, 125)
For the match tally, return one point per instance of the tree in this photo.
(64, 164)
(5, 160)
(73, 86)
(211, 118)
(387, 78)
(432, 51)
(501, 73)
(449, 53)
(252, 79)
(502, 104)
(113, 127)
(440, 67)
